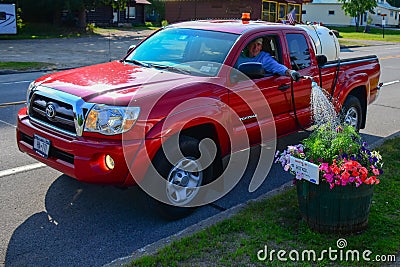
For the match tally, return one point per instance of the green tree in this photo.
(156, 10)
(50, 11)
(395, 3)
(355, 8)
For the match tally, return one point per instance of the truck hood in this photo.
(104, 83)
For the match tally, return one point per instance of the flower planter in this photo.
(342, 209)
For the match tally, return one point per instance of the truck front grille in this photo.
(52, 112)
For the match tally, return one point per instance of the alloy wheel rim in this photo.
(351, 117)
(184, 181)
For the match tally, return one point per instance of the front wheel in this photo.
(351, 113)
(183, 178)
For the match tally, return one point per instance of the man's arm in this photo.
(271, 65)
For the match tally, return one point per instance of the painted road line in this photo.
(389, 57)
(390, 83)
(16, 82)
(3, 105)
(9, 124)
(21, 169)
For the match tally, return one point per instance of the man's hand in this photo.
(295, 75)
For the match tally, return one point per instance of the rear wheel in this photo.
(184, 177)
(352, 112)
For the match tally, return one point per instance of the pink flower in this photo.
(375, 170)
(324, 167)
(329, 177)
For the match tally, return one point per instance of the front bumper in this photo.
(79, 157)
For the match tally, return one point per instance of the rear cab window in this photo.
(298, 50)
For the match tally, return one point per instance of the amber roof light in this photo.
(245, 17)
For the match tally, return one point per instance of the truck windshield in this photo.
(189, 51)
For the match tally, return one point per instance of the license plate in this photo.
(41, 145)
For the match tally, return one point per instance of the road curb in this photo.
(151, 249)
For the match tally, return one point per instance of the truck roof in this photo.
(231, 26)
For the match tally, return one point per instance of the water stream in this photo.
(323, 110)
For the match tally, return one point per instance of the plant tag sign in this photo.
(307, 170)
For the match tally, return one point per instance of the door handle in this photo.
(283, 87)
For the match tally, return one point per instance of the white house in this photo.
(330, 12)
(392, 17)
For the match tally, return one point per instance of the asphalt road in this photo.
(49, 219)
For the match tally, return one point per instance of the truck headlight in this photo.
(31, 87)
(110, 120)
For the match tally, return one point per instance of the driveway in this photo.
(72, 52)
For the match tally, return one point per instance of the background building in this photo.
(330, 12)
(268, 10)
(133, 13)
(392, 17)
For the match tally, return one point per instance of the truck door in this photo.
(273, 88)
(300, 57)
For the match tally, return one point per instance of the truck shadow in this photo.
(90, 225)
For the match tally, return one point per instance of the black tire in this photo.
(352, 112)
(190, 149)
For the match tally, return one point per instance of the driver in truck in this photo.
(254, 53)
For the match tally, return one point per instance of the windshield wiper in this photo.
(171, 68)
(137, 62)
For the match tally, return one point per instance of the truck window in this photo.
(299, 51)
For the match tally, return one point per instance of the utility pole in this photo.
(383, 25)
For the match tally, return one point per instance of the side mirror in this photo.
(253, 70)
(131, 47)
(321, 60)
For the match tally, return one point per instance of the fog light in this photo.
(109, 162)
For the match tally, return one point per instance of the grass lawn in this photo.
(21, 66)
(374, 34)
(276, 223)
(105, 31)
(42, 31)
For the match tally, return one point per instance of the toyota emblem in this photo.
(50, 111)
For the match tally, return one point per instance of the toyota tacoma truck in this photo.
(129, 121)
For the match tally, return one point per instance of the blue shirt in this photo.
(268, 62)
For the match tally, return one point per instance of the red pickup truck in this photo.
(124, 122)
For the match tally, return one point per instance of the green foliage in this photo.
(20, 23)
(90, 28)
(164, 23)
(156, 11)
(326, 143)
(356, 7)
(395, 3)
(22, 66)
(42, 31)
(117, 4)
